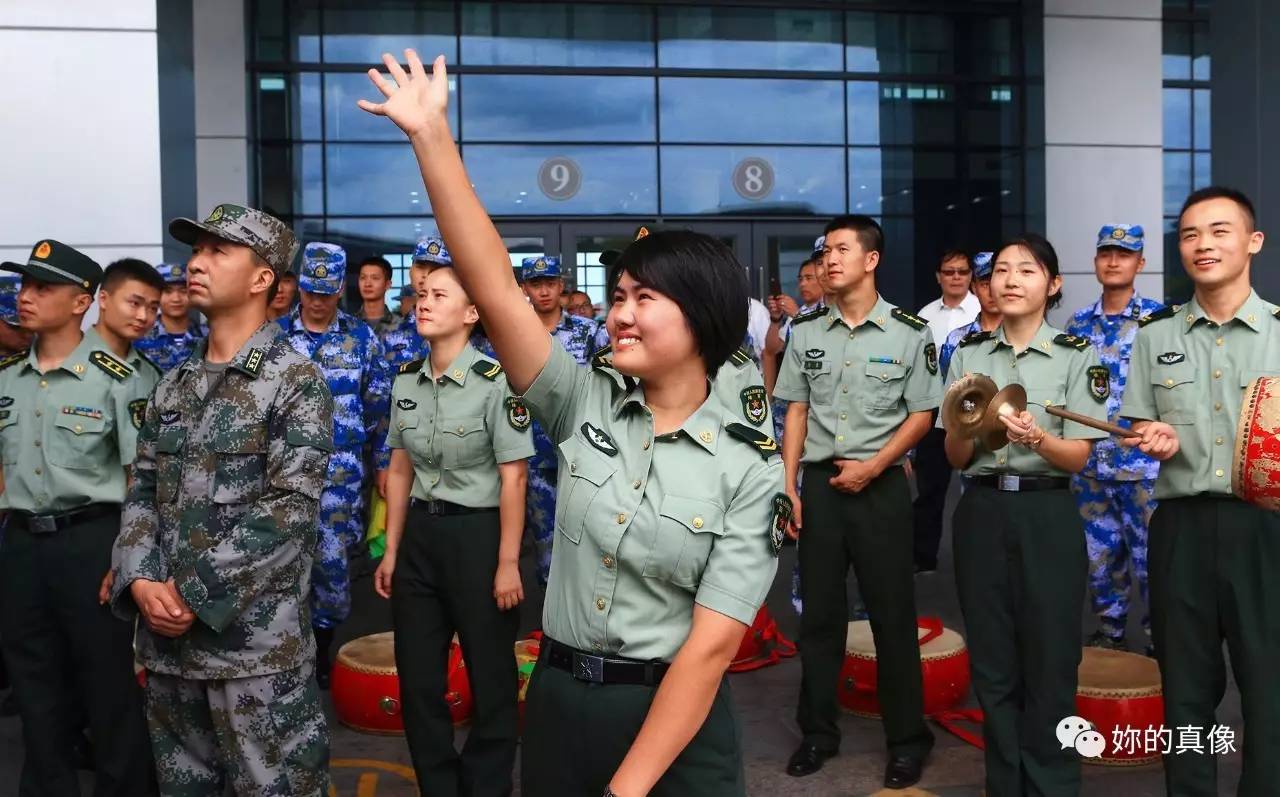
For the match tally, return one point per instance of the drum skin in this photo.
(1255, 465)
(944, 663)
(1119, 690)
(366, 688)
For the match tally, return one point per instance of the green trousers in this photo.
(1215, 576)
(1020, 571)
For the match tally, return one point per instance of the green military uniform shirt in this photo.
(67, 435)
(1190, 372)
(645, 526)
(456, 428)
(860, 382)
(1056, 369)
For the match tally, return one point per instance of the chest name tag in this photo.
(1171, 358)
(813, 365)
(599, 440)
(83, 412)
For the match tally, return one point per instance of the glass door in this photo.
(529, 239)
(584, 242)
(779, 249)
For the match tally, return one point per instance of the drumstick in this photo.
(1092, 423)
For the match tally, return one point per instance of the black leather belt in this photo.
(1010, 483)
(602, 669)
(48, 524)
(435, 506)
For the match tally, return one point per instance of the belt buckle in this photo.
(432, 506)
(1009, 483)
(588, 668)
(42, 524)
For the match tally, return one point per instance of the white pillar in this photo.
(222, 145)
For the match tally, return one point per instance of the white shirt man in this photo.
(958, 306)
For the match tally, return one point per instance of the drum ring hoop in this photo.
(1121, 694)
(366, 669)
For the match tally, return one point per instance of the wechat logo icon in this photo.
(1078, 734)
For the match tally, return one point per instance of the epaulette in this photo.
(1072, 342)
(412, 367)
(117, 369)
(910, 319)
(809, 316)
(762, 442)
(740, 357)
(601, 358)
(487, 368)
(1168, 311)
(14, 359)
(976, 336)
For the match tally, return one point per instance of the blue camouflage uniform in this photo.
(351, 359)
(1115, 490)
(166, 349)
(982, 268)
(10, 284)
(403, 344)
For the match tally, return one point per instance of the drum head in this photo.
(1117, 673)
(375, 654)
(859, 642)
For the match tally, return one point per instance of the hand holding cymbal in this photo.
(972, 407)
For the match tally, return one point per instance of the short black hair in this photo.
(1043, 253)
(701, 275)
(1221, 192)
(952, 254)
(130, 268)
(374, 260)
(868, 231)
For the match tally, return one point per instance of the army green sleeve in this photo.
(923, 390)
(557, 392)
(398, 390)
(1082, 399)
(137, 553)
(1139, 402)
(743, 560)
(509, 421)
(791, 384)
(955, 372)
(130, 404)
(279, 529)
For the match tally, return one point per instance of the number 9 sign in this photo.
(753, 178)
(559, 178)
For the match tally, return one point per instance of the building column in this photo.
(221, 107)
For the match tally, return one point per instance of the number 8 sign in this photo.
(753, 178)
(559, 178)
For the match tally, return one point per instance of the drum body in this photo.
(944, 664)
(527, 651)
(1255, 466)
(762, 645)
(1120, 690)
(366, 687)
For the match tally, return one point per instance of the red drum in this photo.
(1120, 690)
(762, 645)
(366, 687)
(527, 651)
(1255, 467)
(944, 662)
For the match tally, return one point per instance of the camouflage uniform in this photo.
(381, 326)
(226, 491)
(168, 349)
(1115, 491)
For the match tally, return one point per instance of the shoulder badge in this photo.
(782, 509)
(487, 368)
(931, 357)
(762, 442)
(601, 358)
(518, 414)
(116, 369)
(137, 411)
(253, 363)
(412, 367)
(14, 359)
(1099, 382)
(809, 316)
(1164, 312)
(910, 319)
(1072, 342)
(974, 337)
(755, 406)
(740, 357)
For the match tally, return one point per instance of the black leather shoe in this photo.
(903, 771)
(807, 759)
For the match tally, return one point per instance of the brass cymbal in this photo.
(965, 403)
(1009, 401)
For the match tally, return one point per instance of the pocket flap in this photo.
(1248, 376)
(695, 514)
(886, 372)
(1170, 376)
(251, 440)
(303, 438)
(584, 463)
(407, 420)
(462, 426)
(80, 424)
(171, 440)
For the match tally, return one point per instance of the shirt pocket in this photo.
(687, 530)
(1175, 392)
(822, 383)
(76, 441)
(464, 442)
(240, 470)
(1053, 396)
(10, 434)
(884, 385)
(583, 477)
(412, 436)
(169, 445)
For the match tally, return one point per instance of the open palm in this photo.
(414, 101)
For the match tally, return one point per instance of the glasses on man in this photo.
(955, 272)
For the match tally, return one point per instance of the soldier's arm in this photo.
(280, 527)
(377, 403)
(136, 553)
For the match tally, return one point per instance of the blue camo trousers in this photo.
(1116, 515)
(341, 529)
(540, 517)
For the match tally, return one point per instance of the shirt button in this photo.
(645, 446)
(1218, 341)
(1218, 442)
(600, 604)
(400, 425)
(1217, 374)
(635, 485)
(78, 429)
(847, 363)
(608, 561)
(573, 467)
(622, 518)
(39, 471)
(1218, 473)
(1217, 406)
(37, 444)
(844, 416)
(850, 336)
(460, 430)
(697, 523)
(839, 438)
(1000, 461)
(1168, 383)
(39, 413)
(43, 383)
(844, 390)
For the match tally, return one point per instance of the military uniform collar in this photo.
(879, 315)
(248, 360)
(703, 427)
(1132, 310)
(1042, 342)
(77, 361)
(296, 324)
(458, 369)
(1252, 313)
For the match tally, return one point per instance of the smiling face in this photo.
(648, 330)
(1117, 267)
(1021, 285)
(1216, 239)
(443, 308)
(174, 302)
(129, 310)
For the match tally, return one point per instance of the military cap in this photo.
(56, 262)
(1123, 236)
(539, 267)
(407, 292)
(983, 265)
(432, 250)
(270, 238)
(324, 267)
(9, 286)
(173, 273)
(818, 244)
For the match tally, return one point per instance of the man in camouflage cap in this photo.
(13, 338)
(219, 526)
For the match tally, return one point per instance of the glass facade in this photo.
(577, 121)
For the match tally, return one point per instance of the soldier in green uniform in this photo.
(862, 379)
(671, 510)
(215, 548)
(67, 436)
(455, 515)
(1019, 542)
(1213, 558)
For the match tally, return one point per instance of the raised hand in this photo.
(414, 101)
